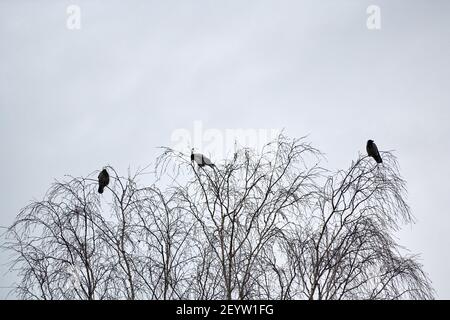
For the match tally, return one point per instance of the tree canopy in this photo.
(272, 224)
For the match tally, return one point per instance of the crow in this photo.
(103, 180)
(372, 151)
(200, 159)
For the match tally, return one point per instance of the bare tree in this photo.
(267, 225)
(344, 249)
(75, 245)
(242, 207)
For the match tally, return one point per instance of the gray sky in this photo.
(72, 101)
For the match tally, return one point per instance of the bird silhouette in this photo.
(372, 151)
(103, 180)
(200, 159)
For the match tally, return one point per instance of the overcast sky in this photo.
(72, 101)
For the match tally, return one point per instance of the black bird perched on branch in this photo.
(372, 151)
(200, 159)
(103, 180)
